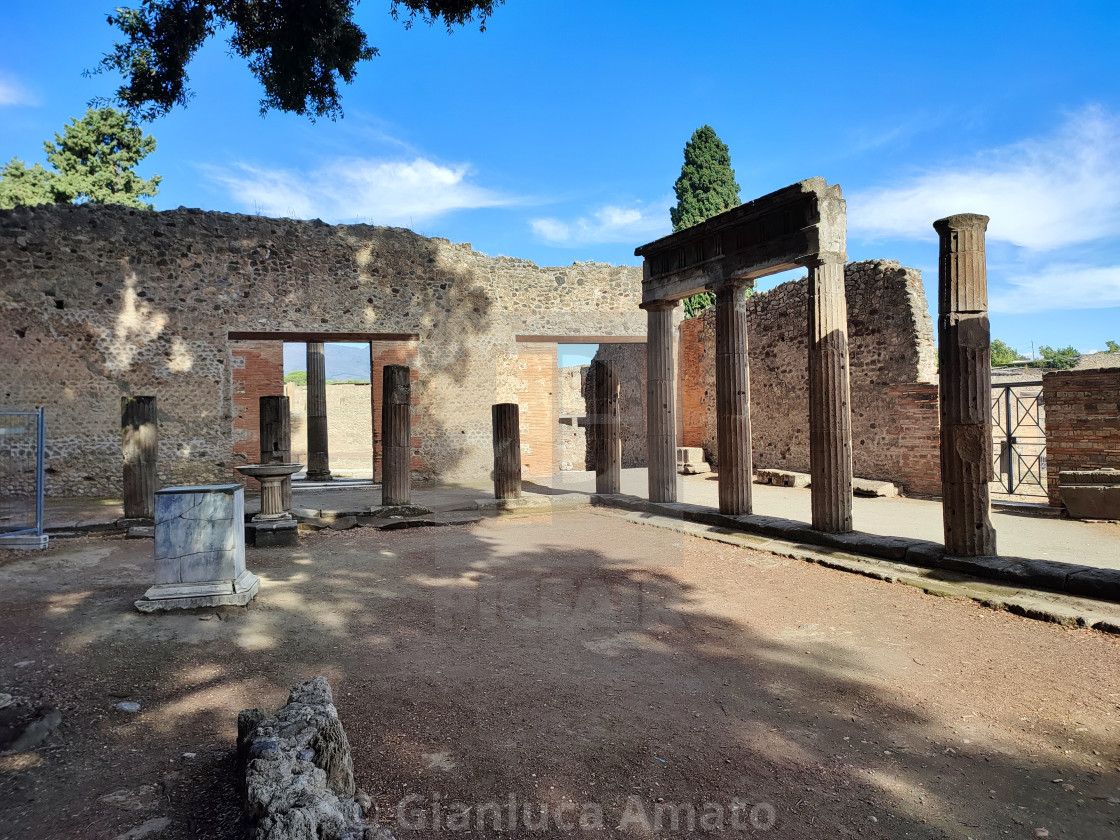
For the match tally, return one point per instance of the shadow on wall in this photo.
(620, 675)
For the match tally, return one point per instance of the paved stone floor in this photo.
(1042, 538)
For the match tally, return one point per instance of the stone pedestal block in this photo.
(1090, 494)
(200, 549)
(282, 533)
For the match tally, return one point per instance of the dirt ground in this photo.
(574, 661)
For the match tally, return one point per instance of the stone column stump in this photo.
(507, 451)
(140, 447)
(606, 427)
(396, 435)
(276, 439)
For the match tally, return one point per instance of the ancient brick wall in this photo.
(538, 398)
(890, 342)
(914, 427)
(258, 371)
(1082, 422)
(103, 301)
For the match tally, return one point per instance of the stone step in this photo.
(870, 487)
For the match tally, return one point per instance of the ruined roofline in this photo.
(90, 212)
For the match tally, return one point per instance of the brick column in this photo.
(661, 405)
(276, 440)
(733, 400)
(606, 427)
(964, 354)
(318, 457)
(830, 412)
(140, 447)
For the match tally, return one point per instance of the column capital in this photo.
(733, 283)
(659, 305)
(961, 221)
(826, 258)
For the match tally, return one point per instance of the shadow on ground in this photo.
(573, 661)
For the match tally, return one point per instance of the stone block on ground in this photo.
(282, 533)
(1090, 494)
(526, 502)
(690, 461)
(871, 488)
(296, 770)
(200, 549)
(782, 478)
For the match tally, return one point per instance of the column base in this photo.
(211, 593)
(319, 476)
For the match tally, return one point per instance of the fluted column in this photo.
(507, 451)
(140, 448)
(606, 427)
(318, 457)
(964, 356)
(276, 440)
(733, 400)
(396, 435)
(661, 404)
(830, 412)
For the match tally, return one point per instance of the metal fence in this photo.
(1019, 438)
(22, 436)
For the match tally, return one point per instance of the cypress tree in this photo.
(705, 188)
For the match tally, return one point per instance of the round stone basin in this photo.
(259, 471)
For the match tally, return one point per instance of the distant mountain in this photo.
(344, 361)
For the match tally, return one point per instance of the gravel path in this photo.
(599, 668)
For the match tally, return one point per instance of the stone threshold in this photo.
(1067, 578)
(1057, 608)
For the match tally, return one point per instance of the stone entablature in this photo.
(100, 302)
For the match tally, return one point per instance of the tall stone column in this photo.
(140, 447)
(607, 427)
(733, 400)
(830, 410)
(276, 440)
(661, 403)
(318, 457)
(396, 435)
(507, 451)
(965, 359)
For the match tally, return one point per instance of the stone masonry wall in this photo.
(573, 410)
(890, 341)
(99, 302)
(258, 371)
(1082, 422)
(630, 361)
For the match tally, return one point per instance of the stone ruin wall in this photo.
(100, 302)
(573, 412)
(893, 373)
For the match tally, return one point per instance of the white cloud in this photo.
(384, 192)
(1059, 286)
(14, 93)
(1040, 194)
(609, 223)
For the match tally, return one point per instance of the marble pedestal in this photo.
(200, 549)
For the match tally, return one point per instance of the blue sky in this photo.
(556, 135)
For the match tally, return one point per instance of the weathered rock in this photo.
(298, 776)
(36, 732)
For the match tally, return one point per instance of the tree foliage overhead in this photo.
(706, 187)
(299, 50)
(93, 159)
(1112, 347)
(1063, 358)
(1003, 353)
